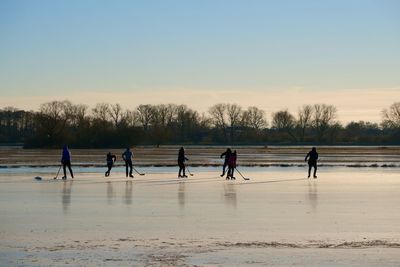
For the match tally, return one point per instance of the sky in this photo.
(271, 54)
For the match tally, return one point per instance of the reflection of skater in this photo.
(110, 193)
(181, 162)
(110, 162)
(181, 194)
(128, 193)
(66, 196)
(230, 194)
(227, 153)
(127, 157)
(66, 162)
(231, 165)
(312, 161)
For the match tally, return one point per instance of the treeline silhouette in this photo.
(109, 125)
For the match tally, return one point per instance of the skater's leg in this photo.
(315, 170)
(184, 169)
(309, 169)
(130, 169)
(180, 164)
(70, 169)
(64, 170)
(224, 168)
(109, 169)
(228, 174)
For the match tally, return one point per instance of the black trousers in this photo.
(224, 167)
(231, 170)
(128, 163)
(67, 163)
(312, 164)
(109, 166)
(181, 168)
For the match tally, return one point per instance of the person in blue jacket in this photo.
(66, 162)
(127, 157)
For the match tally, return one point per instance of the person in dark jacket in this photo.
(127, 157)
(181, 162)
(66, 162)
(110, 158)
(231, 165)
(226, 154)
(312, 157)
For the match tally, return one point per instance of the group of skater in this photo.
(228, 167)
(110, 160)
(230, 162)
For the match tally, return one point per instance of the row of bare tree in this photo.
(60, 122)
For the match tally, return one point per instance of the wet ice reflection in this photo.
(128, 192)
(66, 195)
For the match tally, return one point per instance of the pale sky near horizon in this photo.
(272, 54)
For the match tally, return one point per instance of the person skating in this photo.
(312, 157)
(226, 154)
(127, 157)
(66, 162)
(231, 166)
(110, 162)
(181, 162)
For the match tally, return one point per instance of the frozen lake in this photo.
(346, 217)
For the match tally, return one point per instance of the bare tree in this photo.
(254, 118)
(219, 117)
(145, 115)
(234, 113)
(391, 116)
(101, 112)
(305, 120)
(53, 110)
(284, 121)
(52, 120)
(131, 118)
(164, 114)
(116, 113)
(76, 114)
(324, 117)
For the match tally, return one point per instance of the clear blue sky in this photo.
(48, 47)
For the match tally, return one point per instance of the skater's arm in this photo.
(307, 156)
(222, 155)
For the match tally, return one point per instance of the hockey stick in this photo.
(138, 171)
(191, 174)
(57, 173)
(242, 175)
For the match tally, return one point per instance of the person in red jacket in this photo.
(231, 166)
(226, 154)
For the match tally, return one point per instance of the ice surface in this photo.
(346, 217)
